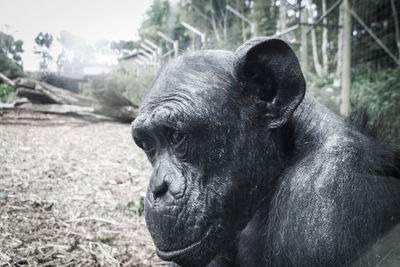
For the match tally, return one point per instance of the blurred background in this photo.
(101, 45)
(72, 74)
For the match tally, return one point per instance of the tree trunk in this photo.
(225, 25)
(339, 55)
(244, 31)
(214, 24)
(304, 41)
(317, 65)
(239, 7)
(282, 17)
(346, 70)
(396, 26)
(324, 47)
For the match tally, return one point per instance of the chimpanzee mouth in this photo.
(169, 255)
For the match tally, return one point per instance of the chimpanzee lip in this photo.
(168, 255)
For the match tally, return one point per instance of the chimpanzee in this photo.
(251, 171)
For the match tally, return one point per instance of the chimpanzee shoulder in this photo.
(325, 205)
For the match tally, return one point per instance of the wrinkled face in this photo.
(193, 133)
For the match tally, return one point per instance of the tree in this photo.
(44, 41)
(324, 47)
(304, 40)
(396, 25)
(10, 58)
(340, 42)
(61, 60)
(282, 16)
(380, 18)
(317, 64)
(158, 19)
(123, 48)
(265, 15)
(222, 28)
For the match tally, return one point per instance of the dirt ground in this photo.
(71, 193)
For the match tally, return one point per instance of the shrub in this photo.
(325, 90)
(7, 93)
(375, 91)
(128, 84)
(379, 93)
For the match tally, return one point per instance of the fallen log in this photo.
(68, 97)
(36, 96)
(58, 95)
(57, 109)
(6, 106)
(85, 112)
(47, 98)
(24, 82)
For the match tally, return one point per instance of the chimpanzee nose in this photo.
(159, 190)
(166, 183)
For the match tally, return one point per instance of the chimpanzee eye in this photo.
(146, 145)
(177, 137)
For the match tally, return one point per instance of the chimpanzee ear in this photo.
(269, 72)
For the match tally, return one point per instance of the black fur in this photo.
(251, 171)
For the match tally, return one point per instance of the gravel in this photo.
(71, 193)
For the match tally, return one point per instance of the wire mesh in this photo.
(378, 17)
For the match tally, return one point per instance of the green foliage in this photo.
(132, 207)
(7, 93)
(378, 16)
(164, 16)
(326, 89)
(128, 84)
(123, 81)
(266, 15)
(10, 58)
(379, 93)
(141, 206)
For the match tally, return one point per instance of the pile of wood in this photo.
(42, 97)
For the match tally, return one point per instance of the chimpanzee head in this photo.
(210, 127)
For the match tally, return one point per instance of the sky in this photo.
(91, 20)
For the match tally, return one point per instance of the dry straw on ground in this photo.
(71, 193)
